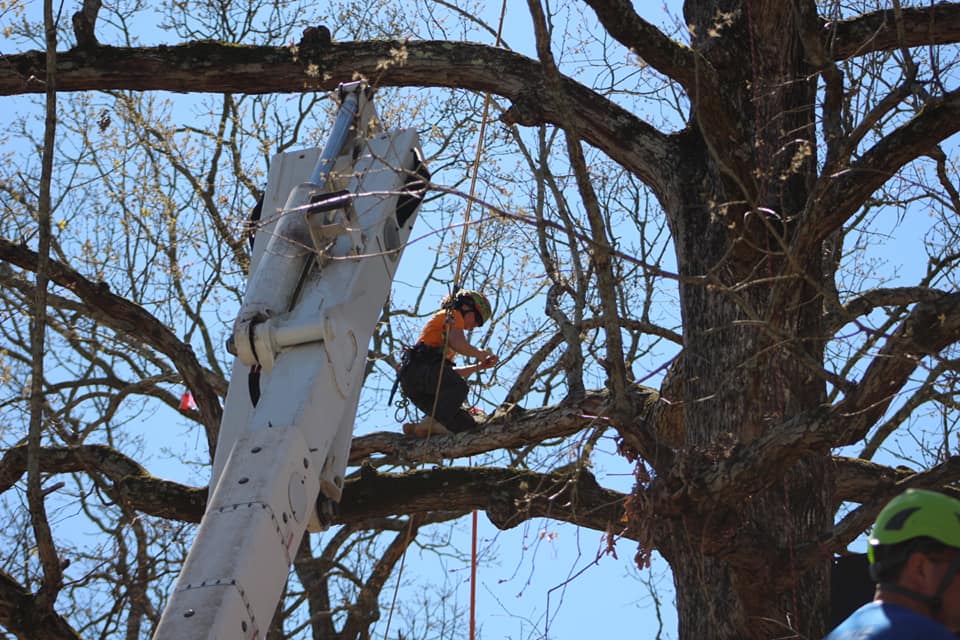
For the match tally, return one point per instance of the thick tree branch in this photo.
(937, 23)
(21, 615)
(131, 482)
(522, 427)
(856, 479)
(667, 56)
(868, 301)
(84, 23)
(838, 196)
(716, 113)
(121, 315)
(749, 469)
(860, 519)
(509, 496)
(815, 49)
(930, 327)
(856, 522)
(213, 67)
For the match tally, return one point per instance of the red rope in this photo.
(473, 579)
(463, 240)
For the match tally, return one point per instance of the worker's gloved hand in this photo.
(489, 360)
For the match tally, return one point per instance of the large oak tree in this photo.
(781, 143)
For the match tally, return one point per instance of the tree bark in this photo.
(751, 339)
(742, 489)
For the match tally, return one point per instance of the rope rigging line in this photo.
(396, 587)
(474, 168)
(463, 241)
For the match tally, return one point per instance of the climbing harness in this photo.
(419, 351)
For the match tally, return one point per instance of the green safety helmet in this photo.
(479, 303)
(917, 513)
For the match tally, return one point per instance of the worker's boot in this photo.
(427, 426)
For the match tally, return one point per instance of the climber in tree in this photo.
(427, 373)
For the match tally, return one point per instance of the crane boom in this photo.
(335, 224)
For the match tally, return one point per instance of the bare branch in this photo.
(22, 616)
(839, 196)
(600, 257)
(144, 492)
(868, 301)
(521, 427)
(858, 479)
(938, 23)
(124, 316)
(220, 68)
(930, 327)
(860, 519)
(366, 611)
(52, 572)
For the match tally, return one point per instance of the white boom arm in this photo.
(321, 273)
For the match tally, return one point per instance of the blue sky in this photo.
(543, 579)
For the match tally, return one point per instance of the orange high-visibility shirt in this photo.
(434, 332)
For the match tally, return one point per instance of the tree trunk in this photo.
(751, 333)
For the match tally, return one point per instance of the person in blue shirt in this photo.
(914, 554)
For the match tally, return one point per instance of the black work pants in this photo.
(443, 401)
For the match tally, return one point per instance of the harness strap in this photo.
(419, 350)
(393, 389)
(934, 602)
(952, 570)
